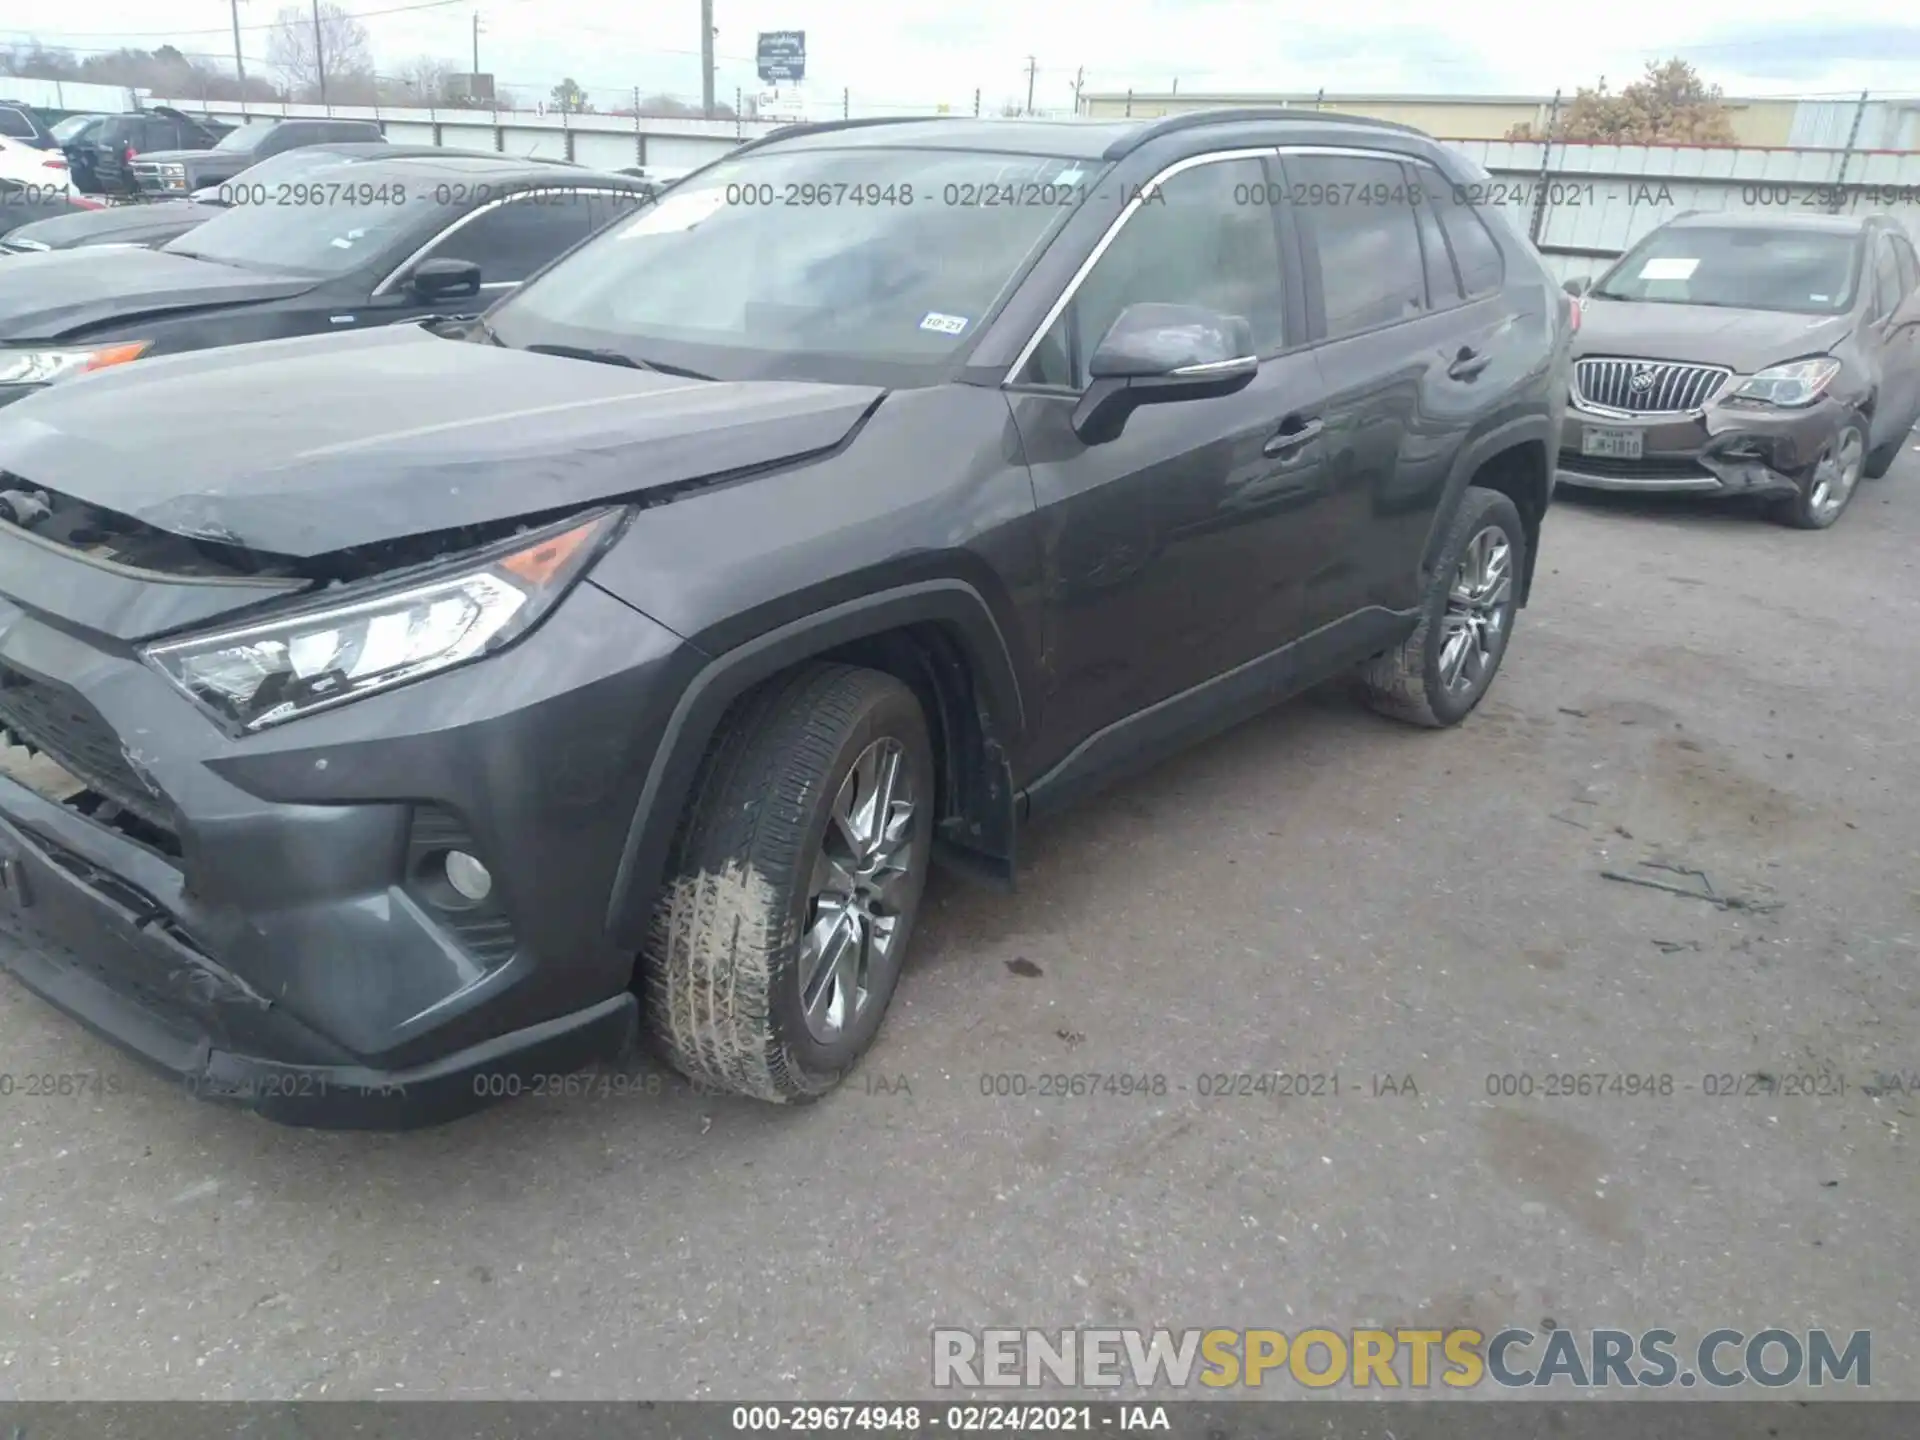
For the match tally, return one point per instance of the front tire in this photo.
(1443, 669)
(1823, 497)
(779, 935)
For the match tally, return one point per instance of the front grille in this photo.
(1654, 467)
(1646, 387)
(53, 718)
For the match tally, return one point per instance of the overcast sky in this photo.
(920, 53)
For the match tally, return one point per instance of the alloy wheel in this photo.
(862, 878)
(1479, 607)
(1837, 472)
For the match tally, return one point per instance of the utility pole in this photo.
(476, 42)
(319, 53)
(239, 63)
(706, 58)
(1079, 80)
(1033, 68)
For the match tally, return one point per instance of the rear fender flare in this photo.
(1528, 429)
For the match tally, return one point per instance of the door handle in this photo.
(1287, 441)
(1468, 363)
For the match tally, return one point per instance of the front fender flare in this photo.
(727, 676)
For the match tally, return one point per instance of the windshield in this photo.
(806, 264)
(1802, 271)
(338, 218)
(274, 170)
(245, 139)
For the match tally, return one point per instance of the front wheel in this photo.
(779, 935)
(1828, 489)
(1443, 669)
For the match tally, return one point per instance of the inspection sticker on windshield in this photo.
(676, 212)
(945, 324)
(1668, 267)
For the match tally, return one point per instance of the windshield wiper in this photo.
(611, 357)
(582, 352)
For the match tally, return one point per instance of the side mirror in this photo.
(444, 279)
(1155, 354)
(1579, 287)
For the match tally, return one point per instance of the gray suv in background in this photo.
(1748, 354)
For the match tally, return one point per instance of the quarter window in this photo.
(1359, 239)
(1474, 250)
(1205, 237)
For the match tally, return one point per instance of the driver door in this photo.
(1176, 551)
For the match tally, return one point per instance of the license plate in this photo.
(1612, 444)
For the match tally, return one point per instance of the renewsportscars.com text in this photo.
(1455, 1359)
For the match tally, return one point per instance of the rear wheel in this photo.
(1829, 487)
(779, 935)
(1443, 669)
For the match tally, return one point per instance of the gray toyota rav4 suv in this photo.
(1749, 353)
(426, 710)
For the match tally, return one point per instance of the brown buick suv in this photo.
(1760, 354)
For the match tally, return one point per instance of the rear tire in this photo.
(778, 937)
(1443, 669)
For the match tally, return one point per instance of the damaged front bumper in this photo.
(260, 918)
(1726, 449)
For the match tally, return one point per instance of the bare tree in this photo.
(345, 55)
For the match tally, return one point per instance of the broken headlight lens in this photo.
(1792, 385)
(296, 664)
(43, 367)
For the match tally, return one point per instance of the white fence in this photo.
(1585, 204)
(1581, 204)
(605, 142)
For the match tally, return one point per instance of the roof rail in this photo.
(821, 127)
(1192, 119)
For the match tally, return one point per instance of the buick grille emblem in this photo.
(1642, 379)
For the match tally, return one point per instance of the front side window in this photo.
(1904, 257)
(1204, 237)
(868, 261)
(511, 241)
(15, 125)
(244, 140)
(1359, 232)
(1805, 272)
(354, 214)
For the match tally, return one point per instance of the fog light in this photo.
(468, 876)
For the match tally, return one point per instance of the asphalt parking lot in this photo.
(1320, 893)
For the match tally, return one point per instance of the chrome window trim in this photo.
(386, 286)
(1059, 306)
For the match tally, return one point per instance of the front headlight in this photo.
(1798, 383)
(296, 664)
(43, 367)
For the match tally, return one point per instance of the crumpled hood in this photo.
(55, 293)
(1742, 340)
(302, 447)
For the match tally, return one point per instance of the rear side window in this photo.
(1886, 280)
(15, 125)
(1359, 238)
(1474, 249)
(1443, 280)
(511, 241)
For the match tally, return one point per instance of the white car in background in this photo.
(44, 172)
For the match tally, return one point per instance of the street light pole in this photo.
(239, 64)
